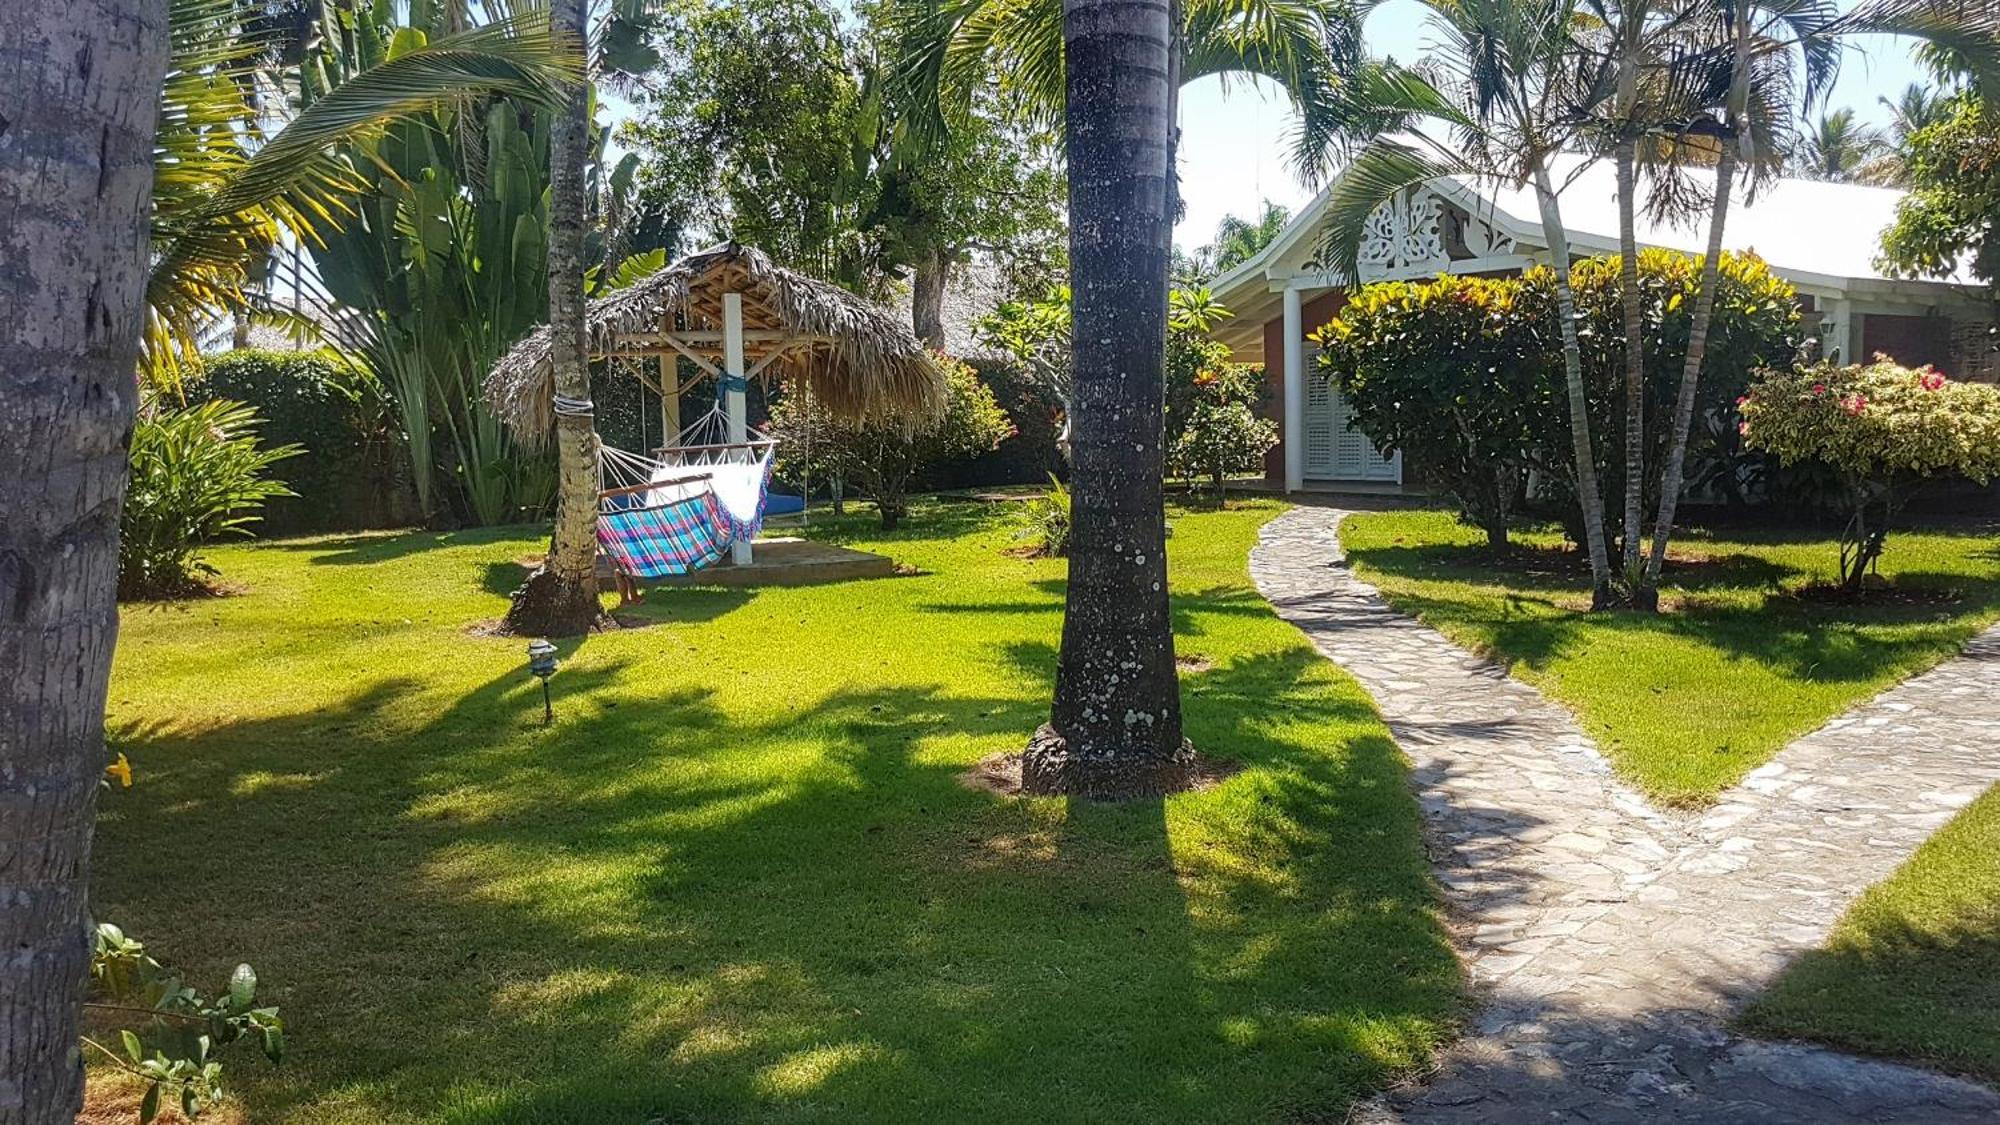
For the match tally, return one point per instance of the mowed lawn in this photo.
(739, 879)
(1686, 702)
(1913, 969)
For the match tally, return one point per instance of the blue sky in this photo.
(1233, 145)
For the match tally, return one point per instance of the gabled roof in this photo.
(1817, 235)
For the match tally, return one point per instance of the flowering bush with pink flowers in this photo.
(1884, 428)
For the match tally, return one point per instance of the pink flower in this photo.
(1743, 428)
(1855, 404)
(1931, 380)
(1741, 399)
(1819, 388)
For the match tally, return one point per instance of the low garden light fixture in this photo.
(542, 662)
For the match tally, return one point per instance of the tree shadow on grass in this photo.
(363, 548)
(1538, 618)
(659, 909)
(1928, 995)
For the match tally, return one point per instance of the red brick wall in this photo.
(1316, 312)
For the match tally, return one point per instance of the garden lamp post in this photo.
(542, 662)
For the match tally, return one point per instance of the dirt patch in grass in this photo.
(1000, 774)
(1193, 662)
(113, 1099)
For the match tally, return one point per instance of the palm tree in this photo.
(560, 597)
(1838, 148)
(1762, 41)
(79, 91)
(1115, 727)
(1917, 107)
(1238, 240)
(232, 181)
(1110, 70)
(1501, 108)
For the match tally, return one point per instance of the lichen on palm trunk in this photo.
(1115, 727)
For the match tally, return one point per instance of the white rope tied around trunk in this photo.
(574, 407)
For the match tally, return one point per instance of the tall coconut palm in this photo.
(1838, 147)
(78, 98)
(1498, 105)
(1110, 71)
(1115, 727)
(560, 597)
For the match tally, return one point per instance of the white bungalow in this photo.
(1821, 237)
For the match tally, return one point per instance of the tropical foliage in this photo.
(1465, 374)
(1045, 521)
(1212, 427)
(883, 457)
(198, 473)
(1236, 241)
(771, 124)
(1952, 167)
(175, 1050)
(352, 473)
(1883, 428)
(238, 171)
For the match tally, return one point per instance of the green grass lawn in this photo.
(1914, 968)
(738, 879)
(1687, 702)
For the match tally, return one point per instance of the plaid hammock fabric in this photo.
(666, 540)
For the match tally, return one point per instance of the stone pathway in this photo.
(1610, 941)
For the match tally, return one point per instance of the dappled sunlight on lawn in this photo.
(738, 878)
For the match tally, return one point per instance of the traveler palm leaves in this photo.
(232, 179)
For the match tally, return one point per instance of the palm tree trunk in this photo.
(79, 90)
(1704, 307)
(1635, 359)
(1587, 493)
(1648, 595)
(930, 277)
(560, 597)
(1115, 727)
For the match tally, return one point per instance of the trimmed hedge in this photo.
(351, 475)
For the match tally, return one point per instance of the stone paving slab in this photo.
(1612, 941)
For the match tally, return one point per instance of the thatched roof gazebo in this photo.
(731, 310)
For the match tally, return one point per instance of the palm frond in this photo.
(1385, 167)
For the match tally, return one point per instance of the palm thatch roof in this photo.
(859, 360)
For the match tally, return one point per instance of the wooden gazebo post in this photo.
(734, 384)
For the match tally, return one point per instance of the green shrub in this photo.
(1883, 429)
(1211, 423)
(882, 457)
(1212, 427)
(1755, 326)
(174, 1051)
(1046, 521)
(353, 475)
(1448, 372)
(197, 473)
(1465, 375)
